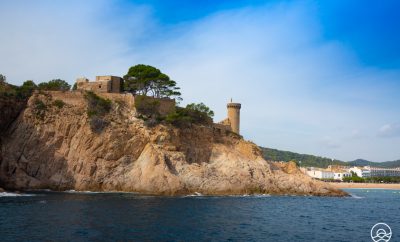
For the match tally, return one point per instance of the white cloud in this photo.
(390, 130)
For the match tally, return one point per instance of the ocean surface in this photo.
(80, 216)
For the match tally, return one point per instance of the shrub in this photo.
(55, 85)
(39, 108)
(179, 118)
(192, 113)
(98, 107)
(22, 92)
(147, 106)
(97, 124)
(59, 103)
(39, 105)
(199, 113)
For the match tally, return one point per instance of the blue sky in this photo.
(317, 77)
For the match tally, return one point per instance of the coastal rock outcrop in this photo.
(10, 107)
(53, 146)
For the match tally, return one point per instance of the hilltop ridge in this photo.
(321, 162)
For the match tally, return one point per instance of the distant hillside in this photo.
(386, 164)
(318, 161)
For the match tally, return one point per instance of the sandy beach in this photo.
(366, 185)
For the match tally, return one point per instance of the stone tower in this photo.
(234, 116)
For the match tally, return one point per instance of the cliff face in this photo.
(10, 107)
(55, 148)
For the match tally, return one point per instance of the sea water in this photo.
(76, 216)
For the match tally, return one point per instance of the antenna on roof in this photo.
(231, 99)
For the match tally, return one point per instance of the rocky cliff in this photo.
(10, 107)
(52, 146)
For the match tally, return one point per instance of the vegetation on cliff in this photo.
(191, 114)
(12, 100)
(54, 85)
(97, 109)
(143, 80)
(26, 89)
(18, 92)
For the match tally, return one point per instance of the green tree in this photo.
(148, 80)
(75, 86)
(29, 85)
(55, 85)
(27, 88)
(2, 79)
(192, 113)
(201, 108)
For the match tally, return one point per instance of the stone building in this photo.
(103, 84)
(232, 122)
(234, 116)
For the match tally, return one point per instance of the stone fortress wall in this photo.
(76, 98)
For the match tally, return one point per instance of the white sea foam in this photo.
(356, 197)
(86, 192)
(251, 195)
(12, 194)
(101, 192)
(197, 194)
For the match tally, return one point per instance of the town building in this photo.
(380, 172)
(361, 171)
(340, 175)
(319, 173)
(103, 84)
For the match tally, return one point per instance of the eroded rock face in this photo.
(10, 107)
(58, 150)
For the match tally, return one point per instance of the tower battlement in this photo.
(234, 105)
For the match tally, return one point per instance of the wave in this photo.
(355, 196)
(101, 192)
(12, 194)
(198, 194)
(195, 194)
(86, 192)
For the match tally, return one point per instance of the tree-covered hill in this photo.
(318, 161)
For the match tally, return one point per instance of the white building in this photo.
(368, 171)
(319, 173)
(341, 175)
(361, 171)
(378, 172)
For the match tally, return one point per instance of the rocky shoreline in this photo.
(57, 149)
